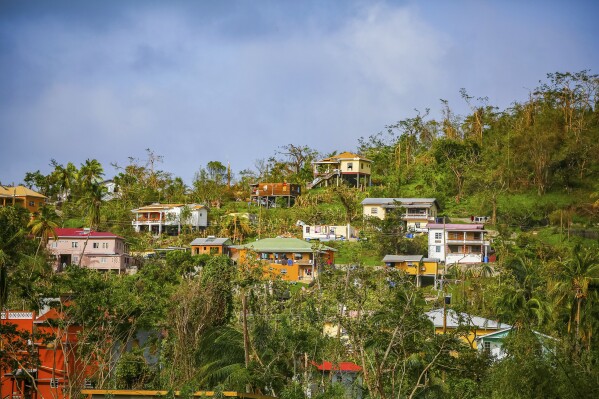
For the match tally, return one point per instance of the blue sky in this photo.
(197, 81)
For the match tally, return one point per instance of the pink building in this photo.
(103, 252)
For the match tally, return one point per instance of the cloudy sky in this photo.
(197, 81)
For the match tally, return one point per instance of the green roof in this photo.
(280, 244)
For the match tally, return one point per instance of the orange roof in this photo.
(19, 191)
(343, 155)
(51, 314)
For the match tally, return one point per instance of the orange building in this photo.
(22, 196)
(39, 359)
(290, 258)
(210, 245)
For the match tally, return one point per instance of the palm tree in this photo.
(43, 225)
(65, 177)
(90, 172)
(92, 203)
(236, 226)
(572, 280)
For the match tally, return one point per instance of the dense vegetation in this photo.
(533, 168)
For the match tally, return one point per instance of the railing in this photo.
(17, 315)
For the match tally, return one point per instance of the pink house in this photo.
(103, 252)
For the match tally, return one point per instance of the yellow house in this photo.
(347, 166)
(468, 327)
(22, 196)
(291, 259)
(425, 269)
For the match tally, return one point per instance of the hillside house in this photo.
(470, 327)
(416, 212)
(22, 196)
(49, 366)
(166, 218)
(457, 243)
(492, 342)
(425, 270)
(290, 258)
(326, 232)
(98, 250)
(272, 194)
(345, 167)
(211, 245)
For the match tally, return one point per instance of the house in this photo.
(492, 342)
(55, 368)
(290, 258)
(112, 190)
(347, 166)
(469, 327)
(102, 251)
(22, 196)
(211, 245)
(457, 243)
(167, 218)
(272, 194)
(418, 212)
(424, 269)
(346, 374)
(327, 233)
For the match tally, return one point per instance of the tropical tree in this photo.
(43, 224)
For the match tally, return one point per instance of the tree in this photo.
(43, 225)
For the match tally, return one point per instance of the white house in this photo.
(417, 211)
(326, 232)
(166, 218)
(457, 243)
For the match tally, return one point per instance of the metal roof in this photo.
(211, 241)
(406, 202)
(454, 320)
(455, 226)
(403, 258)
(281, 244)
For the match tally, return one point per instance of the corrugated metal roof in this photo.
(211, 241)
(455, 226)
(403, 201)
(281, 244)
(81, 233)
(403, 258)
(454, 320)
(343, 155)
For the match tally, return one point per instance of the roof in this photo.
(211, 240)
(51, 314)
(455, 226)
(162, 207)
(281, 244)
(341, 366)
(454, 320)
(19, 191)
(402, 258)
(81, 233)
(405, 202)
(343, 155)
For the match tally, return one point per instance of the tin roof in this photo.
(281, 244)
(454, 320)
(19, 191)
(406, 202)
(80, 233)
(211, 240)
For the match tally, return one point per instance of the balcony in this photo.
(479, 241)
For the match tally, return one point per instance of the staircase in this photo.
(322, 178)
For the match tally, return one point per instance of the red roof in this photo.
(52, 314)
(70, 232)
(341, 366)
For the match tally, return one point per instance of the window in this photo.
(54, 244)
(297, 256)
(350, 166)
(88, 384)
(31, 203)
(75, 259)
(54, 383)
(438, 248)
(307, 229)
(74, 244)
(361, 165)
(438, 236)
(104, 245)
(487, 346)
(102, 260)
(417, 225)
(96, 245)
(283, 271)
(374, 210)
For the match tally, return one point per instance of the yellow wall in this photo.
(358, 166)
(380, 211)
(206, 249)
(292, 272)
(470, 337)
(431, 268)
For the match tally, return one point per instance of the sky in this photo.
(233, 81)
